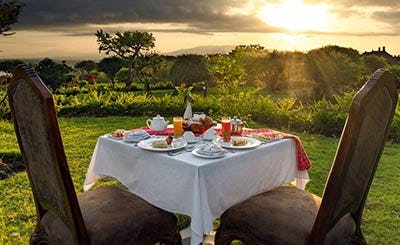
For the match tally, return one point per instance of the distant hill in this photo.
(203, 50)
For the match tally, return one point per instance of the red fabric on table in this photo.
(303, 162)
(167, 131)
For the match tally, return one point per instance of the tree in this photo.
(371, 63)
(330, 71)
(128, 45)
(9, 12)
(242, 51)
(147, 67)
(110, 66)
(229, 74)
(9, 65)
(87, 65)
(190, 69)
(270, 69)
(52, 73)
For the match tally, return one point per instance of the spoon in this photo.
(174, 153)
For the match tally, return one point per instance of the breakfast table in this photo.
(202, 188)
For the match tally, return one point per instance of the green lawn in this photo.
(381, 219)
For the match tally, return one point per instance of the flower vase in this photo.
(188, 111)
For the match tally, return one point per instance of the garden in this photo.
(307, 94)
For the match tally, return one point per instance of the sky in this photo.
(65, 28)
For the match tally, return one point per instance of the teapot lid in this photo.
(236, 121)
(158, 117)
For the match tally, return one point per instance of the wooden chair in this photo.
(107, 215)
(287, 215)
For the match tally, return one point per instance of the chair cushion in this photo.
(115, 216)
(284, 215)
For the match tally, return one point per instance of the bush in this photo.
(394, 133)
(4, 109)
(325, 119)
(324, 116)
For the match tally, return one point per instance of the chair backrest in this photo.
(36, 126)
(358, 153)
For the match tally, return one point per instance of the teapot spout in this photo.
(166, 123)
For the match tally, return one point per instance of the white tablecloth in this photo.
(186, 184)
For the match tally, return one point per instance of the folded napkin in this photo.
(136, 135)
(210, 149)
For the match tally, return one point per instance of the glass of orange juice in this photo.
(178, 126)
(226, 128)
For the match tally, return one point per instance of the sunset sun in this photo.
(294, 15)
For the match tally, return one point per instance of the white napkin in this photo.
(136, 135)
(210, 149)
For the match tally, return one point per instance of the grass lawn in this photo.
(381, 219)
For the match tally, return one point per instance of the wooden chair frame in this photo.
(326, 219)
(75, 222)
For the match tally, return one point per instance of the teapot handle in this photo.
(147, 122)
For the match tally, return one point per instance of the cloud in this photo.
(390, 17)
(203, 16)
(360, 3)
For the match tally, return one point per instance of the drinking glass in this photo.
(226, 128)
(178, 126)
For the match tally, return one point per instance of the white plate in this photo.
(251, 143)
(196, 153)
(175, 145)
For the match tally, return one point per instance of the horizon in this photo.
(224, 49)
(65, 29)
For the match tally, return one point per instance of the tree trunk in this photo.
(147, 88)
(128, 82)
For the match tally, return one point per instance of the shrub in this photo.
(394, 133)
(324, 116)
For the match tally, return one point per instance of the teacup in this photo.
(189, 137)
(210, 134)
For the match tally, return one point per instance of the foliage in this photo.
(52, 74)
(269, 69)
(371, 63)
(185, 93)
(87, 65)
(122, 75)
(110, 66)
(228, 72)
(395, 69)
(127, 45)
(9, 11)
(230, 76)
(189, 69)
(331, 71)
(349, 52)
(4, 109)
(394, 132)
(147, 67)
(9, 65)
